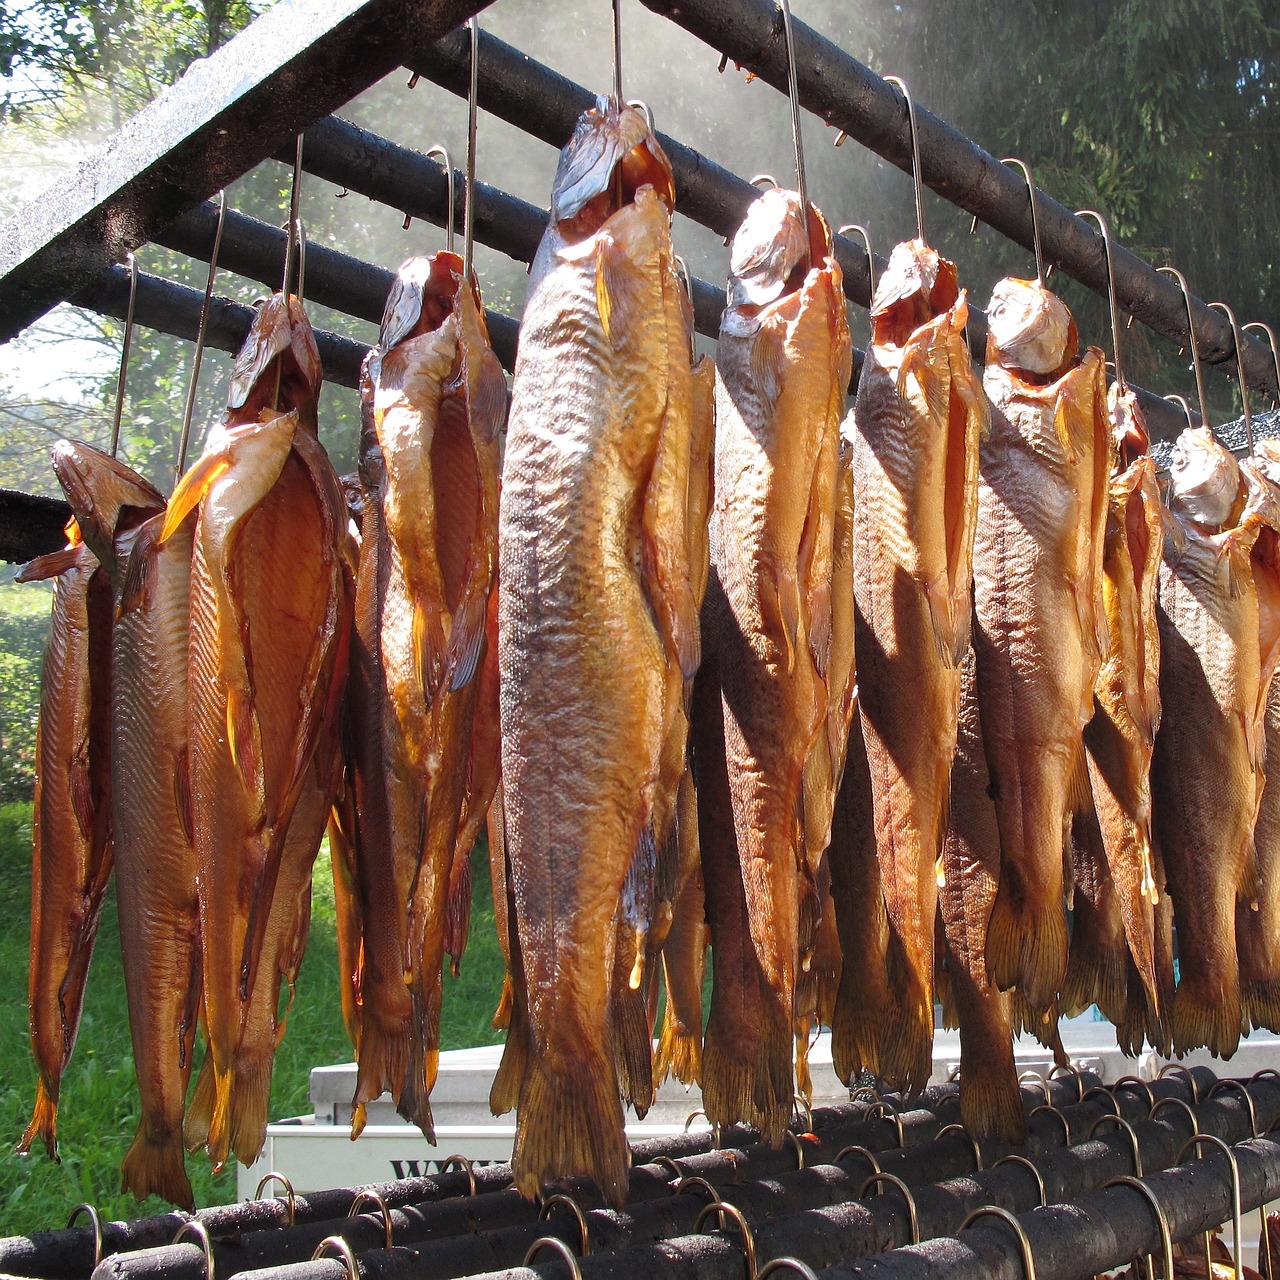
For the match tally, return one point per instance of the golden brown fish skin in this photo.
(437, 402)
(594, 610)
(1120, 737)
(267, 562)
(1206, 770)
(1040, 631)
(342, 827)
(782, 360)
(71, 821)
(916, 424)
(990, 1098)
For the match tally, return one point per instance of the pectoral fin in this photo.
(198, 480)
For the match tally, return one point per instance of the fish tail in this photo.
(457, 911)
(990, 1096)
(1139, 1010)
(749, 1081)
(156, 1166)
(44, 1123)
(633, 1049)
(199, 1117)
(502, 1014)
(570, 1121)
(855, 1036)
(1207, 1013)
(1027, 947)
(1096, 974)
(906, 1031)
(679, 1051)
(218, 1128)
(250, 1103)
(505, 1090)
(1262, 1004)
(383, 1059)
(414, 1103)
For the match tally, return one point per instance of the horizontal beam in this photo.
(30, 525)
(850, 96)
(294, 64)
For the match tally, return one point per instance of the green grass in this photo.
(99, 1107)
(24, 623)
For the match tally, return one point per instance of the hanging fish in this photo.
(916, 425)
(269, 628)
(597, 629)
(1041, 628)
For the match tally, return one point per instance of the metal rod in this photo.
(617, 54)
(1275, 354)
(1111, 290)
(442, 152)
(198, 354)
(469, 209)
(1035, 217)
(1244, 389)
(125, 342)
(793, 91)
(295, 183)
(915, 153)
(1191, 340)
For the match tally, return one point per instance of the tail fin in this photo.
(990, 1096)
(250, 1104)
(1097, 973)
(906, 1030)
(855, 1037)
(1262, 1004)
(679, 1051)
(44, 1123)
(632, 1048)
(1027, 948)
(155, 1166)
(570, 1123)
(199, 1117)
(502, 1014)
(749, 1081)
(382, 1063)
(1208, 1015)
(457, 911)
(505, 1089)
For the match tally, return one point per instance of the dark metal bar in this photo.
(30, 525)
(852, 97)
(227, 113)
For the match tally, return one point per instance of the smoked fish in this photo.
(1206, 773)
(269, 632)
(438, 397)
(597, 632)
(782, 366)
(155, 855)
(1041, 628)
(72, 850)
(917, 422)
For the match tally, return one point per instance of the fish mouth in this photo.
(279, 365)
(1030, 329)
(105, 495)
(774, 248)
(917, 285)
(424, 295)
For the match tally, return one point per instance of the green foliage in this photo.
(24, 623)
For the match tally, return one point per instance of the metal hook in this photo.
(871, 286)
(372, 1197)
(698, 1184)
(584, 1233)
(749, 1241)
(465, 1165)
(794, 1139)
(1162, 1219)
(1238, 339)
(915, 153)
(1099, 1091)
(556, 1245)
(912, 1216)
(1175, 398)
(196, 360)
(290, 1200)
(1275, 356)
(1176, 1102)
(791, 1264)
(1024, 1163)
(1121, 1123)
(124, 355)
(994, 1211)
(469, 205)
(804, 1112)
(1034, 1077)
(1176, 1068)
(290, 244)
(794, 91)
(338, 1245)
(864, 1091)
(195, 1227)
(1111, 289)
(1235, 1084)
(96, 1222)
(1126, 1082)
(617, 52)
(1062, 1119)
(973, 1142)
(641, 105)
(715, 1128)
(1072, 1070)
(443, 154)
(1035, 215)
(855, 1150)
(885, 1110)
(666, 1162)
(953, 1075)
(1237, 1213)
(1195, 358)
(765, 177)
(946, 1098)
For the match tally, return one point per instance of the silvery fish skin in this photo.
(782, 367)
(597, 629)
(437, 398)
(1120, 737)
(269, 629)
(1040, 629)
(72, 853)
(155, 856)
(1206, 774)
(917, 422)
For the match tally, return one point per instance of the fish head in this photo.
(106, 496)
(423, 295)
(612, 154)
(1266, 457)
(1204, 478)
(774, 249)
(278, 367)
(1128, 426)
(1030, 329)
(917, 285)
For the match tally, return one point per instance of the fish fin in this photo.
(679, 1050)
(950, 633)
(182, 793)
(414, 1103)
(502, 1014)
(505, 1090)
(243, 740)
(906, 1028)
(487, 408)
(619, 290)
(804, 1078)
(80, 785)
(457, 910)
(198, 480)
(1027, 948)
(632, 1047)
(51, 565)
(466, 640)
(199, 1117)
(768, 363)
(44, 1124)
(156, 1166)
(1262, 1004)
(1208, 1015)
(383, 1060)
(428, 649)
(991, 1098)
(250, 1103)
(139, 573)
(570, 1121)
(1096, 974)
